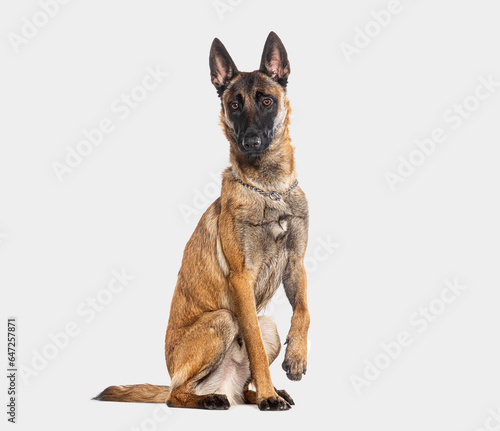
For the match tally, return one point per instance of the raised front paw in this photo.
(295, 363)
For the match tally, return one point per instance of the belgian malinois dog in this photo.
(248, 242)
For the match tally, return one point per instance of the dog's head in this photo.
(254, 104)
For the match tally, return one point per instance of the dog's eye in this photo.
(267, 102)
(235, 106)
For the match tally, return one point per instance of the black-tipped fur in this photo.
(145, 393)
(222, 67)
(274, 62)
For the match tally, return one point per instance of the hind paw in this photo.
(215, 402)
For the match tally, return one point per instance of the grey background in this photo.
(124, 206)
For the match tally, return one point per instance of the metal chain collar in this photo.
(275, 196)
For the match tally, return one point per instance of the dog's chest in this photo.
(270, 251)
(270, 277)
(276, 224)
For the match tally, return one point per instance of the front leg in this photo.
(243, 267)
(241, 284)
(295, 284)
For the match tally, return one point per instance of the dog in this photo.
(248, 242)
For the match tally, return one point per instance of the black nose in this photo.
(252, 143)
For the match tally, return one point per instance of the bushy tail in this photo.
(135, 394)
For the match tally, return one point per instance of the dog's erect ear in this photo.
(222, 67)
(274, 61)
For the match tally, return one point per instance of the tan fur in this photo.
(135, 394)
(244, 247)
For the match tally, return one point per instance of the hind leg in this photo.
(232, 376)
(193, 353)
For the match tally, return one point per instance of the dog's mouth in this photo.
(253, 153)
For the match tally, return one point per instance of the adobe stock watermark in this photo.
(222, 7)
(120, 109)
(492, 422)
(453, 119)
(201, 199)
(86, 311)
(161, 412)
(372, 28)
(317, 254)
(159, 415)
(419, 321)
(30, 27)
